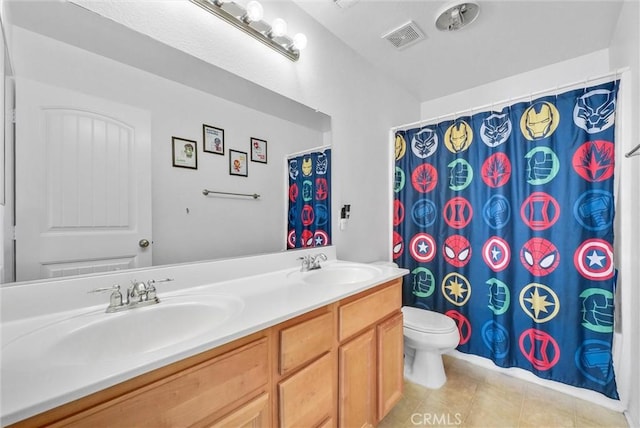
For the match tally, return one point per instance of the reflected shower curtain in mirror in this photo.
(309, 221)
(505, 221)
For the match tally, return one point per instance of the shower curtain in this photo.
(505, 221)
(309, 217)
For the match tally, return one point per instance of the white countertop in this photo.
(31, 383)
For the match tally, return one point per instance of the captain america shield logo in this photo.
(320, 238)
(422, 247)
(496, 253)
(594, 259)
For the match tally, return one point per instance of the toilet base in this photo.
(425, 368)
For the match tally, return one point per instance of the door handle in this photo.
(144, 243)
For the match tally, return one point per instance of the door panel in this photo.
(83, 183)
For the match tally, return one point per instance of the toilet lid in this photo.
(427, 321)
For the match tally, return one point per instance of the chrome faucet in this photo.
(311, 262)
(138, 294)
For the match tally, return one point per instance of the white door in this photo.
(83, 183)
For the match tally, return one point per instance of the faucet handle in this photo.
(115, 287)
(154, 281)
(151, 289)
(116, 296)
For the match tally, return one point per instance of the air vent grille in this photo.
(345, 4)
(405, 35)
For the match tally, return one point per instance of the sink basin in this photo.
(337, 274)
(97, 336)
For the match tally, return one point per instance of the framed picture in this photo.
(237, 163)
(213, 139)
(185, 153)
(258, 150)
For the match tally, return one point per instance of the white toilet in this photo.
(427, 335)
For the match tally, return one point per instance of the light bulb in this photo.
(254, 11)
(299, 41)
(278, 28)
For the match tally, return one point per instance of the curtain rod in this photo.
(631, 153)
(312, 149)
(614, 73)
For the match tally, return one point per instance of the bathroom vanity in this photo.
(333, 358)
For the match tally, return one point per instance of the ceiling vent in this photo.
(405, 35)
(344, 4)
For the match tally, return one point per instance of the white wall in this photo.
(625, 52)
(214, 227)
(548, 78)
(329, 76)
(2, 151)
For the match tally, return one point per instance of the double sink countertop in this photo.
(54, 358)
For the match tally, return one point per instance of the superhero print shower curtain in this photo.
(505, 221)
(309, 223)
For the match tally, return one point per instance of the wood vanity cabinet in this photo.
(305, 376)
(195, 396)
(370, 355)
(336, 366)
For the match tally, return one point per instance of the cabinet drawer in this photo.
(305, 341)
(306, 399)
(254, 414)
(187, 397)
(360, 314)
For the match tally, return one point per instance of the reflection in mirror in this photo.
(309, 216)
(94, 175)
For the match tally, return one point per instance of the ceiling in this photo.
(509, 37)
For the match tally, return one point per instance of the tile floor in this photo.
(477, 397)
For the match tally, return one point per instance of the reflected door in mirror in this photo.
(83, 183)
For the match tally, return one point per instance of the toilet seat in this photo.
(425, 321)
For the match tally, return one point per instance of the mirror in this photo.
(80, 54)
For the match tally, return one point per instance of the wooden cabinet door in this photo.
(357, 362)
(390, 364)
(306, 398)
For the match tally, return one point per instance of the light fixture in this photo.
(299, 41)
(250, 21)
(454, 16)
(254, 12)
(278, 28)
